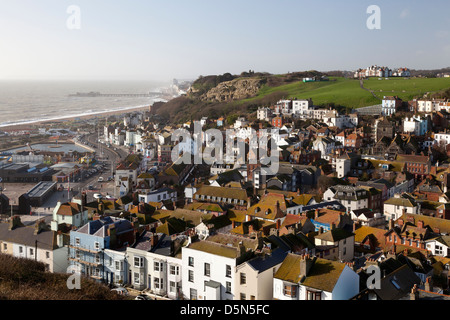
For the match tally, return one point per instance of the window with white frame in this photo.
(118, 277)
(174, 270)
(290, 290)
(313, 295)
(138, 262)
(172, 286)
(136, 278)
(228, 271)
(228, 287)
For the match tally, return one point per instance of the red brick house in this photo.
(353, 140)
(278, 122)
(418, 165)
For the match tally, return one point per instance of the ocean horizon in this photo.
(30, 101)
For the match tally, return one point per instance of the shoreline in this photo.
(32, 124)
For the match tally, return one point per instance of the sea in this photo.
(29, 101)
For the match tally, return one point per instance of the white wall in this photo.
(397, 211)
(217, 272)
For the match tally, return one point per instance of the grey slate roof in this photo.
(25, 235)
(269, 261)
(398, 284)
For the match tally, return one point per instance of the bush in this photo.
(25, 279)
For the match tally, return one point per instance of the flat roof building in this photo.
(41, 192)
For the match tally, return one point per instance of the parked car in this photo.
(122, 291)
(142, 297)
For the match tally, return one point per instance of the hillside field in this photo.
(348, 92)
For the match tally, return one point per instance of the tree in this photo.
(324, 182)
(232, 118)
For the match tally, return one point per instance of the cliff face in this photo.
(236, 89)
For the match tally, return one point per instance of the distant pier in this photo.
(115, 95)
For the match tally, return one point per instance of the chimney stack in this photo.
(429, 285)
(154, 239)
(306, 262)
(111, 231)
(414, 295)
(316, 214)
(391, 224)
(241, 249)
(15, 222)
(260, 239)
(39, 226)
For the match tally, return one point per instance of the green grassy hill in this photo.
(348, 92)
(407, 88)
(338, 92)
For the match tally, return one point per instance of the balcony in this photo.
(85, 249)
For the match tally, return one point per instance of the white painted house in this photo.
(303, 278)
(395, 207)
(300, 108)
(439, 246)
(69, 213)
(416, 125)
(325, 145)
(442, 137)
(352, 198)
(154, 265)
(161, 194)
(209, 267)
(36, 243)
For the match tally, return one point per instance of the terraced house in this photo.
(155, 264)
(254, 280)
(209, 266)
(412, 231)
(234, 197)
(271, 209)
(38, 243)
(87, 245)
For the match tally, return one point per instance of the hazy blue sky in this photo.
(164, 39)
